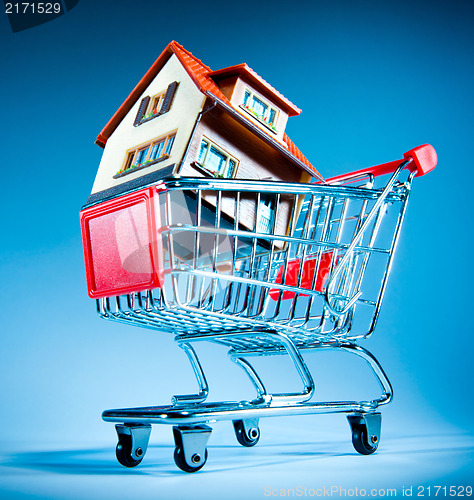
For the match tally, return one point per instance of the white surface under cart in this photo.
(284, 463)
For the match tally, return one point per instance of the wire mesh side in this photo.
(242, 255)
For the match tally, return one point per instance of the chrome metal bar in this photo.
(252, 374)
(228, 410)
(291, 349)
(252, 186)
(200, 377)
(269, 237)
(377, 369)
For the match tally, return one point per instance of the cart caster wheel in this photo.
(361, 442)
(190, 453)
(124, 452)
(132, 443)
(247, 432)
(180, 460)
(365, 432)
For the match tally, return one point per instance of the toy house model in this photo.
(182, 118)
(185, 119)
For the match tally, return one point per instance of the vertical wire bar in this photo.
(302, 259)
(268, 270)
(198, 248)
(337, 221)
(215, 250)
(342, 221)
(254, 238)
(319, 250)
(241, 288)
(304, 234)
(326, 212)
(171, 246)
(252, 269)
(291, 233)
(235, 253)
(229, 284)
(309, 233)
(351, 284)
(272, 247)
(375, 230)
(191, 281)
(283, 267)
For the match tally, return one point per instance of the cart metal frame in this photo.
(231, 293)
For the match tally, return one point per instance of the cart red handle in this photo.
(423, 160)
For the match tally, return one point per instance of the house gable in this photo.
(133, 132)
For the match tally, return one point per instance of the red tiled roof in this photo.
(198, 72)
(296, 152)
(202, 77)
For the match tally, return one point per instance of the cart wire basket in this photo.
(264, 268)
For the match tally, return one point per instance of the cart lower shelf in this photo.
(228, 410)
(190, 414)
(191, 432)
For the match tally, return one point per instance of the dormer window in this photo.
(260, 109)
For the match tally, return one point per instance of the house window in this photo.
(260, 109)
(216, 161)
(154, 106)
(159, 104)
(266, 210)
(147, 154)
(141, 156)
(129, 160)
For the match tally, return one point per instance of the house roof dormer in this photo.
(248, 75)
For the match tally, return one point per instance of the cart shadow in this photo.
(159, 461)
(82, 462)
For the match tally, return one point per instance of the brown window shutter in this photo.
(168, 99)
(141, 110)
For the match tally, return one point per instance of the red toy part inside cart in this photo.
(319, 266)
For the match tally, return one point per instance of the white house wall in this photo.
(187, 104)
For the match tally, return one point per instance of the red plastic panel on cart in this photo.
(121, 249)
(309, 268)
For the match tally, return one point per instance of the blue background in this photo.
(374, 79)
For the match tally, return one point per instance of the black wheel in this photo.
(124, 452)
(183, 465)
(361, 441)
(247, 440)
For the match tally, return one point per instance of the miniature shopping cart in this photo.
(263, 268)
